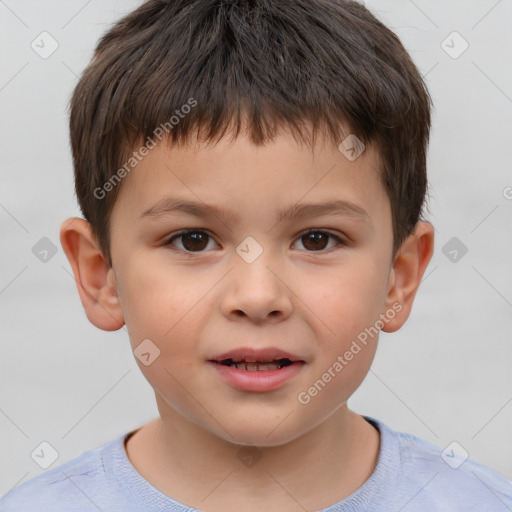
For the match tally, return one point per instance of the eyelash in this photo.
(179, 234)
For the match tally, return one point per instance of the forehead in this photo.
(235, 178)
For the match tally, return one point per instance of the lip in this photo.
(256, 355)
(258, 381)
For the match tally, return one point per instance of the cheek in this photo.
(347, 301)
(168, 378)
(334, 384)
(157, 304)
(169, 309)
(349, 304)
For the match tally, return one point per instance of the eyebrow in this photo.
(170, 205)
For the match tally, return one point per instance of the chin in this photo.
(262, 434)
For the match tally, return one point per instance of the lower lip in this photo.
(259, 380)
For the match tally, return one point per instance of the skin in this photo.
(311, 299)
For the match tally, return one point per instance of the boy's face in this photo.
(310, 296)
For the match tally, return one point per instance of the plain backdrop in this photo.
(445, 376)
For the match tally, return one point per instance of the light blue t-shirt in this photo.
(410, 476)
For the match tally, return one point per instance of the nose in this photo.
(258, 291)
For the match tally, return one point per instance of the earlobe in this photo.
(93, 276)
(408, 270)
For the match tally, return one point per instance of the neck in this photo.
(199, 469)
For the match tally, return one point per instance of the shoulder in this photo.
(434, 478)
(78, 485)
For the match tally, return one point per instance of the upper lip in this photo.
(252, 355)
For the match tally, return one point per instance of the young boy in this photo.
(252, 174)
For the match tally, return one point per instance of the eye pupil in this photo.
(315, 237)
(197, 242)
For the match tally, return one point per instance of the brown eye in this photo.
(316, 240)
(191, 241)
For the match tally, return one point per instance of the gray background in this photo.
(445, 376)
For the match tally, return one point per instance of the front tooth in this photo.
(269, 366)
(253, 367)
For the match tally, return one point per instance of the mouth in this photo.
(257, 360)
(255, 366)
(257, 370)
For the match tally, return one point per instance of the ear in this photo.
(408, 268)
(94, 278)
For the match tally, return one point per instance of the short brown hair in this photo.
(304, 64)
